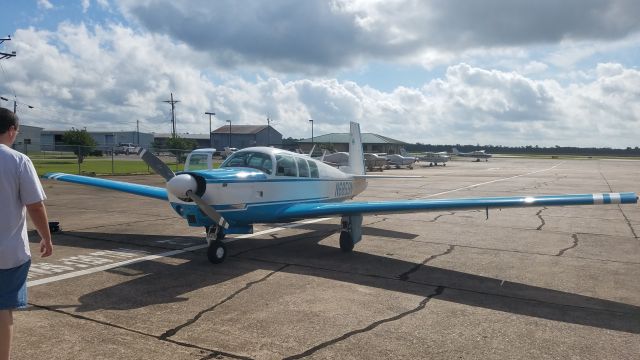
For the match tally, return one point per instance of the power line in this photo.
(4, 55)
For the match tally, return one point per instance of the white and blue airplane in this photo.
(268, 185)
(478, 154)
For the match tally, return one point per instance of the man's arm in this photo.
(38, 214)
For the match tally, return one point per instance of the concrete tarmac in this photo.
(130, 280)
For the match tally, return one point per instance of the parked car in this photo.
(125, 148)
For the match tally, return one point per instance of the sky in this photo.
(487, 72)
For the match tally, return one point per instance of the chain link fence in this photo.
(98, 160)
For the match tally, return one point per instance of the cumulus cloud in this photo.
(85, 5)
(107, 77)
(320, 35)
(45, 4)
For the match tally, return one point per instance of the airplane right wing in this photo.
(306, 210)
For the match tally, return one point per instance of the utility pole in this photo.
(312, 144)
(15, 104)
(268, 130)
(138, 132)
(173, 115)
(4, 55)
(214, 114)
(229, 121)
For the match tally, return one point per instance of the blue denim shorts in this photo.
(13, 287)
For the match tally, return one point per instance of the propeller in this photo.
(183, 186)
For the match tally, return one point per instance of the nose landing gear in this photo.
(217, 250)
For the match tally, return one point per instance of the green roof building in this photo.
(371, 143)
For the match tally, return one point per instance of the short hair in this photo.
(7, 120)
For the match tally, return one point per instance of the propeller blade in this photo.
(208, 210)
(156, 164)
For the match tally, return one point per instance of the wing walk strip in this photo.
(74, 274)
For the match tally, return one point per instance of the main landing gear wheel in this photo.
(217, 252)
(346, 242)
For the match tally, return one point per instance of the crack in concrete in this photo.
(211, 352)
(543, 223)
(449, 213)
(575, 243)
(626, 219)
(405, 275)
(247, 286)
(377, 276)
(423, 303)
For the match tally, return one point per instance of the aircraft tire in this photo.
(217, 252)
(346, 243)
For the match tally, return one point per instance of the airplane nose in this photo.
(179, 185)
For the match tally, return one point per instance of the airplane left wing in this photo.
(131, 188)
(306, 210)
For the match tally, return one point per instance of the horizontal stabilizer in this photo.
(131, 188)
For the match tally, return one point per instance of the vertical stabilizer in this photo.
(356, 155)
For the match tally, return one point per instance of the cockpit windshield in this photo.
(250, 159)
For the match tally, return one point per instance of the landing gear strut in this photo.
(351, 232)
(217, 251)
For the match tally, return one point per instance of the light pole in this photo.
(229, 121)
(214, 114)
(312, 144)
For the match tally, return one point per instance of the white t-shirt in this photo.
(19, 186)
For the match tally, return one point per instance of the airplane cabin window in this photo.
(250, 159)
(285, 166)
(314, 169)
(303, 168)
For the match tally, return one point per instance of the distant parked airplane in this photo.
(433, 158)
(478, 154)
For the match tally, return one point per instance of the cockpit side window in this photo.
(250, 159)
(303, 168)
(285, 166)
(313, 169)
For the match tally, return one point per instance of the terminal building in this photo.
(51, 140)
(28, 139)
(242, 136)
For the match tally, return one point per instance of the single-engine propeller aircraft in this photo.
(478, 154)
(268, 185)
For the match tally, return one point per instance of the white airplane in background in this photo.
(433, 158)
(268, 185)
(478, 154)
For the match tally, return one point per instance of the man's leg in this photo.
(6, 327)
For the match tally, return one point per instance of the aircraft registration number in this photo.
(344, 188)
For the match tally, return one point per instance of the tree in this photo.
(83, 143)
(178, 146)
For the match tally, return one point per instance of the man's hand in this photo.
(38, 215)
(46, 248)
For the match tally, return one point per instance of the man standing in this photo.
(20, 193)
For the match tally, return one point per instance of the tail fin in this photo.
(404, 152)
(356, 155)
(455, 151)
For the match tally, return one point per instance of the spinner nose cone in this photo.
(180, 184)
